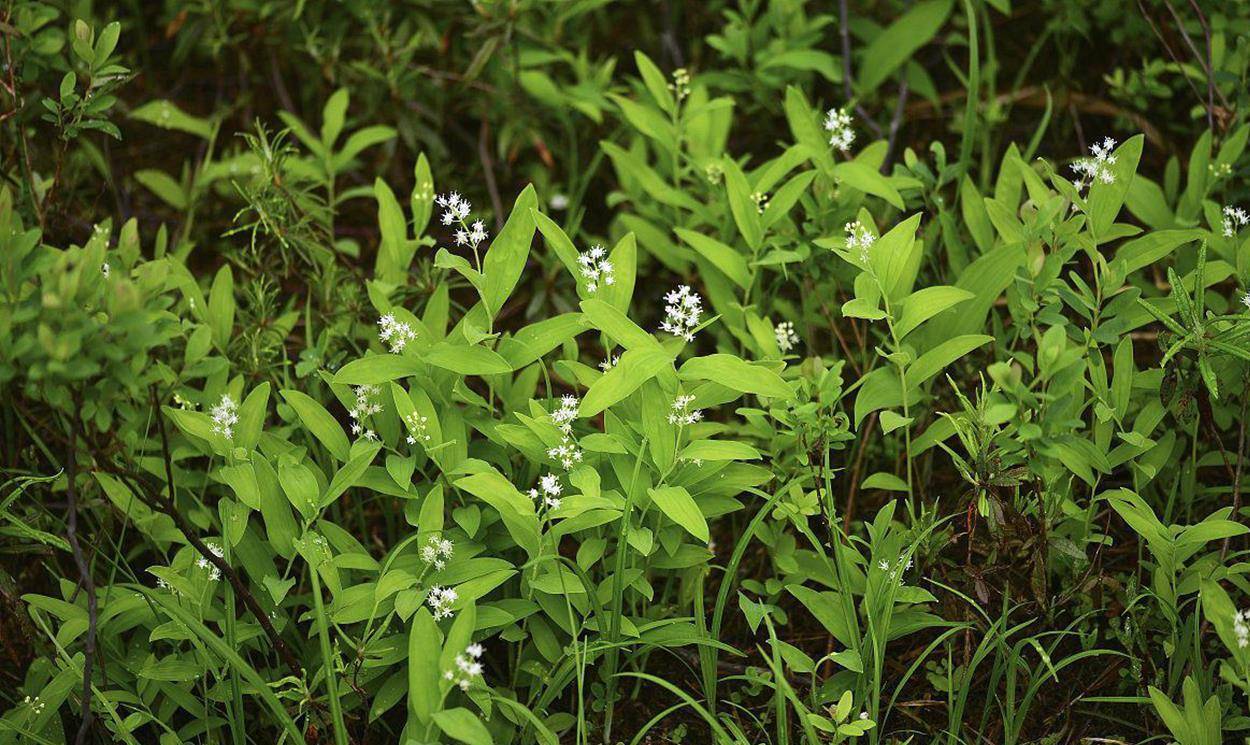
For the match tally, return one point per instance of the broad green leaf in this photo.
(723, 257)
(736, 374)
(859, 176)
(508, 252)
(898, 42)
(681, 508)
(923, 304)
(462, 725)
(319, 422)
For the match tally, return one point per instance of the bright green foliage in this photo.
(457, 374)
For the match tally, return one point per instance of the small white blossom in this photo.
(548, 491)
(681, 83)
(366, 406)
(1098, 167)
(838, 124)
(455, 207)
(682, 309)
(595, 268)
(787, 337)
(567, 452)
(681, 414)
(1241, 628)
(558, 202)
(858, 236)
(104, 269)
(440, 600)
(418, 427)
(609, 362)
(36, 704)
(1235, 218)
(761, 201)
(395, 333)
(437, 551)
(225, 415)
(202, 562)
(466, 668)
(1245, 300)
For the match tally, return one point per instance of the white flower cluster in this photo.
(365, 407)
(36, 704)
(440, 601)
(467, 667)
(105, 269)
(214, 573)
(681, 83)
(1245, 300)
(1097, 168)
(682, 308)
(1241, 628)
(418, 427)
(596, 268)
(395, 333)
(567, 451)
(548, 491)
(681, 414)
(225, 415)
(787, 337)
(437, 551)
(609, 362)
(1235, 218)
(761, 201)
(456, 209)
(858, 236)
(898, 568)
(838, 125)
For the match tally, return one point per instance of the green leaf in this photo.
(736, 374)
(731, 263)
(656, 82)
(617, 326)
(460, 724)
(318, 421)
(635, 367)
(715, 450)
(681, 508)
(806, 130)
(379, 368)
(350, 473)
(425, 644)
(899, 42)
(860, 176)
(167, 115)
(745, 211)
(922, 305)
(333, 115)
(466, 360)
(1105, 200)
(505, 260)
(300, 487)
(886, 481)
(221, 308)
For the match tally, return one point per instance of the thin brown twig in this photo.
(488, 169)
(1241, 461)
(169, 507)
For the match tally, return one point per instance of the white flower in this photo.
(1235, 218)
(609, 362)
(787, 337)
(859, 237)
(595, 268)
(466, 668)
(1245, 300)
(365, 407)
(567, 451)
(681, 83)
(418, 427)
(568, 411)
(456, 211)
(1240, 628)
(440, 600)
(548, 490)
(36, 705)
(558, 202)
(761, 201)
(202, 562)
(104, 269)
(455, 207)
(682, 309)
(838, 124)
(1098, 167)
(225, 415)
(437, 551)
(395, 333)
(681, 413)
